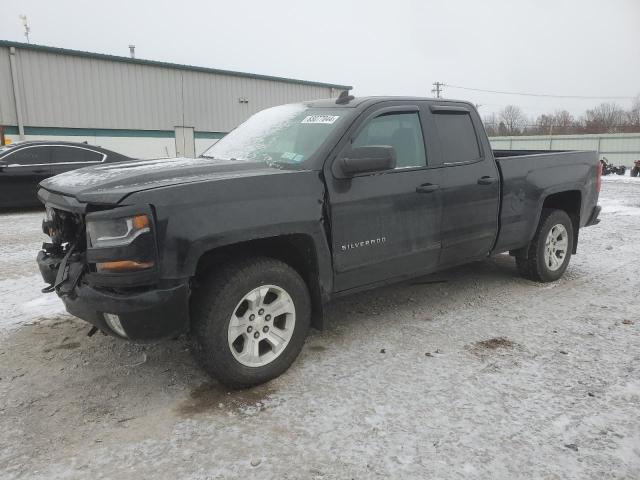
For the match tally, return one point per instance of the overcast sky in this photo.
(392, 47)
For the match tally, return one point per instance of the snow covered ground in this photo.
(470, 373)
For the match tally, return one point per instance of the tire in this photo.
(532, 262)
(220, 311)
(635, 171)
(621, 170)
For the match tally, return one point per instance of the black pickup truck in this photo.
(243, 246)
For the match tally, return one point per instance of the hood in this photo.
(111, 183)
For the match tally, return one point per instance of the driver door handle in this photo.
(487, 180)
(427, 188)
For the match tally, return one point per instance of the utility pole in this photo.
(437, 88)
(25, 24)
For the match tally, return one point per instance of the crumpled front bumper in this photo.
(145, 314)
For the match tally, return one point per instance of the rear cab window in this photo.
(457, 136)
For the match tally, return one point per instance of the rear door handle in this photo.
(427, 188)
(487, 180)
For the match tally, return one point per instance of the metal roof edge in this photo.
(156, 63)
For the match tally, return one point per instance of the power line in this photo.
(585, 97)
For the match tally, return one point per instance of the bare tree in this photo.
(564, 122)
(633, 115)
(491, 124)
(514, 119)
(560, 122)
(544, 124)
(606, 117)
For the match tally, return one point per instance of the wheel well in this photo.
(296, 250)
(571, 202)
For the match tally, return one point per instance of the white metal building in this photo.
(137, 107)
(620, 148)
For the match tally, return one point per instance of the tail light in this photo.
(599, 177)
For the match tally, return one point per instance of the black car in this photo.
(23, 165)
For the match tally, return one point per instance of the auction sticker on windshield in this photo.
(327, 119)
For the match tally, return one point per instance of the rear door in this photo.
(22, 169)
(67, 157)
(386, 225)
(470, 185)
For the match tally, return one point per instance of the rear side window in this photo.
(27, 156)
(73, 155)
(402, 131)
(457, 137)
(91, 156)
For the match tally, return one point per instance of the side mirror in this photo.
(368, 159)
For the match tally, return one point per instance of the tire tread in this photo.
(527, 259)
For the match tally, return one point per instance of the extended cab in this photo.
(243, 246)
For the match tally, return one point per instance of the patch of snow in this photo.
(626, 178)
(23, 301)
(617, 207)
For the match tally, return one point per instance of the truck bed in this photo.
(530, 176)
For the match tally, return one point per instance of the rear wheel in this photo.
(621, 170)
(249, 321)
(547, 256)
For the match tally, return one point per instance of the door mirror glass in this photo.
(373, 158)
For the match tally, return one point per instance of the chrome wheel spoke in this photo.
(277, 339)
(280, 306)
(237, 326)
(256, 297)
(250, 351)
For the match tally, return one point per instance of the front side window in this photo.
(287, 135)
(457, 137)
(402, 131)
(27, 156)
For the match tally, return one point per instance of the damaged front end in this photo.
(103, 264)
(62, 261)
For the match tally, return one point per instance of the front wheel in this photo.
(547, 256)
(635, 171)
(249, 321)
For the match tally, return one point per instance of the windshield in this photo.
(286, 135)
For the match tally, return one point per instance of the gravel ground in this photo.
(470, 373)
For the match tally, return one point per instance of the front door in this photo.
(386, 225)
